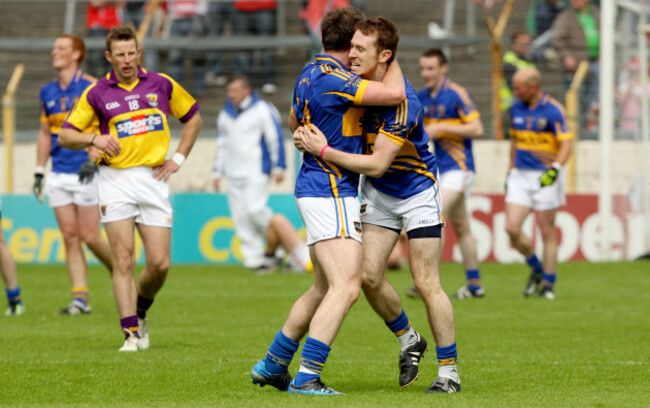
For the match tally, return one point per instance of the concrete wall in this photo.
(492, 160)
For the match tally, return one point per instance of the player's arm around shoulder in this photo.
(390, 92)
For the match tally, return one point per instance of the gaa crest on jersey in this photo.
(440, 110)
(153, 99)
(542, 123)
(363, 208)
(139, 125)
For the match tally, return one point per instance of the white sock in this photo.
(449, 371)
(408, 339)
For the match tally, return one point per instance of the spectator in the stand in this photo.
(101, 16)
(514, 59)
(541, 15)
(133, 14)
(253, 17)
(219, 13)
(312, 14)
(576, 37)
(188, 19)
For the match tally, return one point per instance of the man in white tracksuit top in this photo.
(250, 150)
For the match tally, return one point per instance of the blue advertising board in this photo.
(202, 231)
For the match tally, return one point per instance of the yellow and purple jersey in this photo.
(136, 115)
(414, 168)
(56, 103)
(325, 95)
(537, 132)
(451, 104)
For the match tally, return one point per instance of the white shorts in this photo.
(458, 180)
(330, 217)
(421, 210)
(523, 188)
(133, 192)
(65, 188)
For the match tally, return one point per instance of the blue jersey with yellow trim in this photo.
(324, 95)
(56, 102)
(537, 132)
(451, 104)
(414, 168)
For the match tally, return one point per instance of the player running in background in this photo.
(541, 145)
(452, 122)
(400, 190)
(326, 197)
(71, 185)
(250, 150)
(15, 305)
(133, 105)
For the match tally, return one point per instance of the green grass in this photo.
(209, 325)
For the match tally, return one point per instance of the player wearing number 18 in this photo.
(541, 145)
(132, 105)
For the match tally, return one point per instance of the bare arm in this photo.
(76, 140)
(390, 92)
(293, 123)
(188, 138)
(43, 145)
(374, 165)
(564, 152)
(472, 129)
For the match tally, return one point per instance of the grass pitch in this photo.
(210, 325)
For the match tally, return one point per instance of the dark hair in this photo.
(122, 33)
(338, 27)
(77, 45)
(437, 53)
(386, 32)
(240, 77)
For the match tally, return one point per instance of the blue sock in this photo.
(400, 325)
(447, 355)
(312, 360)
(13, 296)
(534, 263)
(550, 278)
(279, 355)
(473, 277)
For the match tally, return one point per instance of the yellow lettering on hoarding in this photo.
(49, 238)
(206, 236)
(23, 243)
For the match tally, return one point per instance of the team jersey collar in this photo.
(329, 60)
(443, 85)
(112, 78)
(245, 104)
(542, 101)
(75, 78)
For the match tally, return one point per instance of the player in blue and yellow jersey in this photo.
(541, 145)
(71, 185)
(452, 122)
(400, 190)
(325, 94)
(132, 105)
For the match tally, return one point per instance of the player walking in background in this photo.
(326, 195)
(132, 105)
(541, 145)
(400, 190)
(71, 186)
(15, 305)
(452, 122)
(250, 149)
